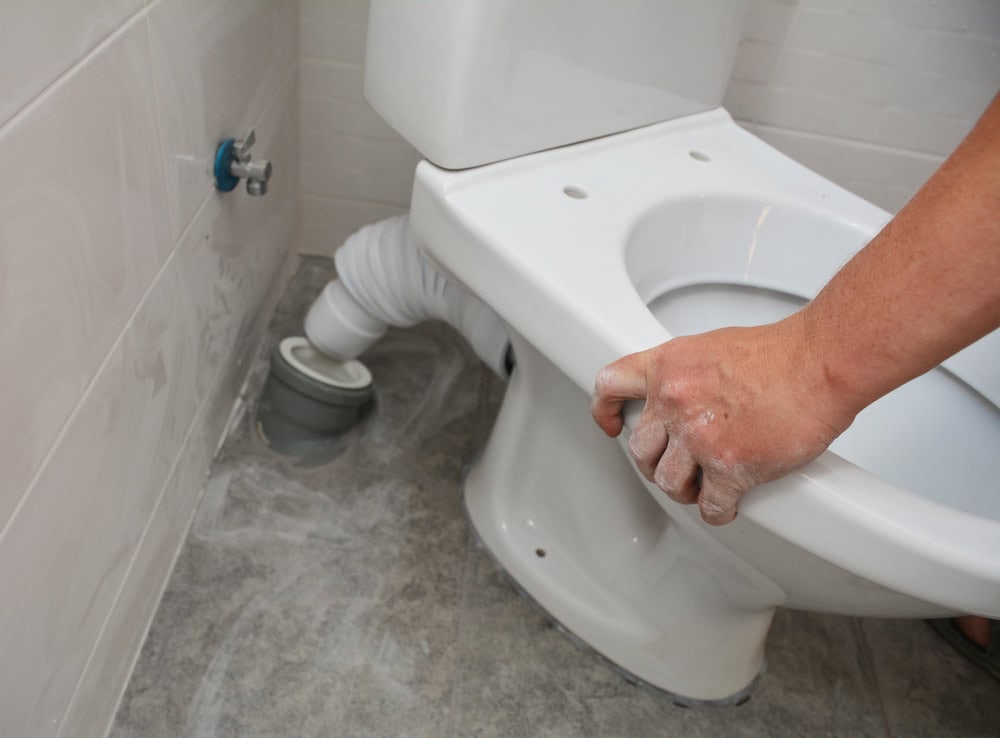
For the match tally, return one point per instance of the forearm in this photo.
(735, 407)
(927, 286)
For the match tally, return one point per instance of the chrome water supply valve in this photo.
(233, 162)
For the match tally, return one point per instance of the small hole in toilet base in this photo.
(575, 192)
(540, 553)
(699, 155)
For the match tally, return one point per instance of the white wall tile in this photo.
(910, 75)
(906, 74)
(985, 19)
(229, 274)
(122, 347)
(41, 40)
(94, 703)
(343, 115)
(82, 235)
(230, 249)
(815, 30)
(769, 20)
(953, 15)
(957, 56)
(217, 64)
(886, 176)
(355, 168)
(66, 552)
(330, 79)
(334, 30)
(327, 222)
(933, 134)
(755, 61)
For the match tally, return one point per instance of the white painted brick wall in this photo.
(870, 93)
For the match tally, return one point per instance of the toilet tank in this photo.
(468, 82)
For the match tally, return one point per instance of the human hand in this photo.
(725, 411)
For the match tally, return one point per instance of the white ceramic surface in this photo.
(473, 81)
(349, 180)
(556, 268)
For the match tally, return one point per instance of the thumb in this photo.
(615, 384)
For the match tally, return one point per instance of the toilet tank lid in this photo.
(468, 82)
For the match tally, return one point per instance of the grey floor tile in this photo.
(350, 599)
(523, 677)
(928, 688)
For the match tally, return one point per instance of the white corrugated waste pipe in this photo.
(384, 280)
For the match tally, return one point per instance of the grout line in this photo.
(854, 142)
(39, 98)
(331, 61)
(188, 436)
(197, 423)
(318, 198)
(84, 395)
(168, 263)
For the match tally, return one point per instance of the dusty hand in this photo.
(725, 410)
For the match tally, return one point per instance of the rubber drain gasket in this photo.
(310, 397)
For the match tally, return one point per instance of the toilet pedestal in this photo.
(560, 508)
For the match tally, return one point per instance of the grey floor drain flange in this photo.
(310, 397)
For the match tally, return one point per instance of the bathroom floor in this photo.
(349, 599)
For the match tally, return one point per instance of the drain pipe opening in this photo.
(317, 388)
(310, 398)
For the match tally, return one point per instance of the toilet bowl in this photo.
(588, 188)
(600, 249)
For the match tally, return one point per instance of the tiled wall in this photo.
(130, 295)
(355, 168)
(870, 93)
(874, 94)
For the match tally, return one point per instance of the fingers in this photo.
(717, 501)
(647, 444)
(677, 474)
(617, 383)
(665, 462)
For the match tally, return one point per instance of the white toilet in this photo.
(582, 180)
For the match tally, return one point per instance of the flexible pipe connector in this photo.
(384, 280)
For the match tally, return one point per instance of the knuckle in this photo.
(729, 457)
(604, 382)
(718, 506)
(662, 478)
(668, 392)
(637, 448)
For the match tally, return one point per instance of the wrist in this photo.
(827, 377)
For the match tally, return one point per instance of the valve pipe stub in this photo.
(225, 180)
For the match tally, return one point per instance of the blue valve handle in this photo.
(225, 181)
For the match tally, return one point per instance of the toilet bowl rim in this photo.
(947, 539)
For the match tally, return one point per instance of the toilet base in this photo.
(560, 510)
(735, 699)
